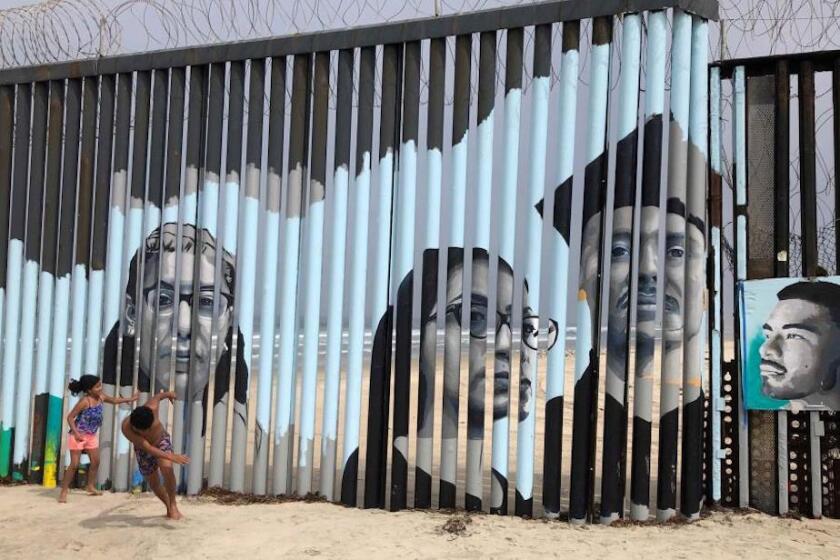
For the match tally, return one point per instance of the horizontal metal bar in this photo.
(552, 11)
(822, 61)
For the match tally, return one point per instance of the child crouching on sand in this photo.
(153, 448)
(85, 420)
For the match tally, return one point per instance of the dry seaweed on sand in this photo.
(227, 497)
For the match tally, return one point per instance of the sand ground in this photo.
(33, 525)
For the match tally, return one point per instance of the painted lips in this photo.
(772, 369)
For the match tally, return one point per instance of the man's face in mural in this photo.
(672, 319)
(478, 322)
(198, 318)
(530, 348)
(503, 342)
(800, 355)
(619, 304)
(695, 279)
(648, 264)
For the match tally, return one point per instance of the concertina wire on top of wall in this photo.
(163, 262)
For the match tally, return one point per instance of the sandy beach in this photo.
(126, 526)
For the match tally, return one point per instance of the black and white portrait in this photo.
(174, 304)
(792, 354)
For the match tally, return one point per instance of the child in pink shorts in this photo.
(85, 420)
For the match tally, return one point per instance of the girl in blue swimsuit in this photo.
(84, 421)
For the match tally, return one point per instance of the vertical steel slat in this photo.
(268, 281)
(559, 237)
(479, 291)
(402, 277)
(46, 281)
(221, 309)
(381, 313)
(335, 303)
(621, 251)
(64, 269)
(246, 257)
(454, 274)
(587, 344)
(675, 249)
(114, 267)
(647, 272)
(810, 263)
(14, 272)
(229, 203)
(503, 340)
(190, 324)
(781, 243)
(428, 294)
(739, 131)
(130, 270)
(298, 159)
(530, 326)
(691, 479)
(358, 280)
(7, 102)
(715, 285)
(29, 284)
(98, 252)
(312, 272)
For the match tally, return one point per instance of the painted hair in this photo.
(165, 239)
(826, 294)
(82, 385)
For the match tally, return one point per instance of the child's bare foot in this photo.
(174, 514)
(93, 492)
(62, 498)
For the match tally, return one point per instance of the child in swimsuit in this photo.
(85, 420)
(153, 448)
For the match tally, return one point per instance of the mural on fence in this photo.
(790, 343)
(169, 263)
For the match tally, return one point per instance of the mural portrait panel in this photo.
(790, 343)
(200, 317)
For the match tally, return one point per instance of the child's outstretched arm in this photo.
(121, 400)
(71, 417)
(154, 401)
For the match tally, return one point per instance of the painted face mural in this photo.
(503, 343)
(530, 338)
(647, 268)
(199, 316)
(790, 343)
(800, 355)
(695, 273)
(672, 318)
(619, 303)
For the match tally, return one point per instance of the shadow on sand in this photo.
(112, 519)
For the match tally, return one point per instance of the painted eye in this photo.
(620, 252)
(676, 252)
(454, 309)
(794, 336)
(206, 303)
(478, 321)
(165, 299)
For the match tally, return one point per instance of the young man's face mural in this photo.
(199, 315)
(672, 306)
(800, 355)
(478, 329)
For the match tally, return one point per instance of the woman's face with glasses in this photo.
(198, 316)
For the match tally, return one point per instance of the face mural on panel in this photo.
(160, 251)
